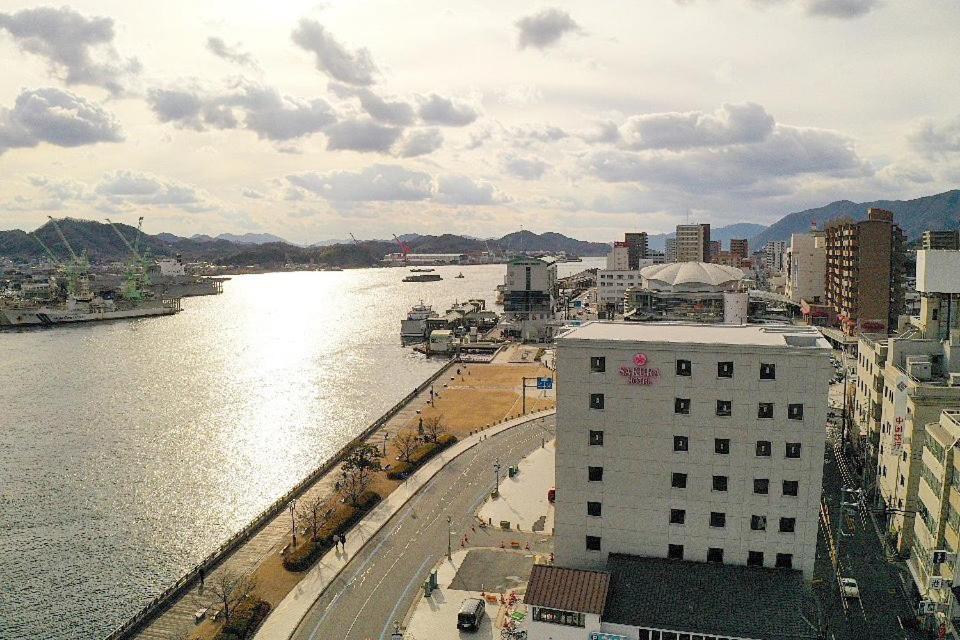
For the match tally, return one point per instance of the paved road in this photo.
(379, 584)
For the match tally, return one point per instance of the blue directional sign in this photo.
(606, 636)
(544, 383)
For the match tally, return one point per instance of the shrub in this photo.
(420, 456)
(246, 617)
(308, 552)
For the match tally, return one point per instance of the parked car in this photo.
(471, 614)
(850, 588)
(552, 495)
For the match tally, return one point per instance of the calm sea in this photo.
(130, 450)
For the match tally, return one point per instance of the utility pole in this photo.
(293, 521)
(496, 472)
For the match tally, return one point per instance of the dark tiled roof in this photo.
(700, 597)
(567, 589)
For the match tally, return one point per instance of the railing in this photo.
(169, 595)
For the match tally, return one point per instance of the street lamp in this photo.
(293, 521)
(496, 472)
(449, 547)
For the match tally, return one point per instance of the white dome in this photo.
(690, 276)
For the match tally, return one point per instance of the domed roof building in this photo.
(691, 277)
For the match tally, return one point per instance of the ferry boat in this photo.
(423, 277)
(415, 325)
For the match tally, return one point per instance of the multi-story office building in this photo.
(637, 248)
(864, 272)
(619, 257)
(690, 441)
(805, 267)
(868, 386)
(670, 250)
(714, 250)
(948, 240)
(612, 284)
(529, 297)
(693, 243)
(773, 255)
(739, 247)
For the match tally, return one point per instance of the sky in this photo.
(313, 120)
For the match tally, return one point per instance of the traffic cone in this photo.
(527, 547)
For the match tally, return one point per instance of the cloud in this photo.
(459, 189)
(420, 142)
(936, 140)
(541, 133)
(56, 117)
(379, 182)
(525, 168)
(129, 189)
(80, 50)
(355, 68)
(361, 135)
(183, 108)
(252, 194)
(233, 54)
(545, 28)
(840, 8)
(438, 110)
(391, 112)
(603, 132)
(731, 124)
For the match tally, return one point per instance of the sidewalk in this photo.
(285, 618)
(523, 498)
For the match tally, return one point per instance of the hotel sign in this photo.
(898, 434)
(640, 373)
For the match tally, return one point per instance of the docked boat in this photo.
(423, 277)
(421, 270)
(459, 275)
(73, 311)
(415, 325)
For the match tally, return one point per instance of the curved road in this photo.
(379, 584)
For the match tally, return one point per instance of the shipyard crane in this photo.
(63, 239)
(47, 250)
(123, 238)
(404, 249)
(78, 271)
(355, 241)
(137, 270)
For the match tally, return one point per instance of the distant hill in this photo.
(529, 241)
(940, 211)
(251, 238)
(723, 234)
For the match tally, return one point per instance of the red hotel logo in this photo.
(640, 373)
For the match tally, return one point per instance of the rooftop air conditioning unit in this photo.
(920, 367)
(954, 380)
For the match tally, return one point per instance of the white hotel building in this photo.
(686, 441)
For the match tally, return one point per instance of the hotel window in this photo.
(598, 364)
(724, 369)
(718, 520)
(593, 543)
(765, 410)
(758, 523)
(768, 371)
(763, 448)
(596, 401)
(721, 445)
(719, 483)
(595, 474)
(678, 516)
(683, 368)
(791, 488)
(596, 438)
(754, 558)
(714, 554)
(681, 405)
(793, 449)
(795, 411)
(681, 443)
(724, 407)
(675, 551)
(678, 481)
(761, 486)
(594, 509)
(788, 525)
(784, 561)
(555, 616)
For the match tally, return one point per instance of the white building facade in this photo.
(529, 297)
(806, 267)
(690, 441)
(619, 257)
(773, 254)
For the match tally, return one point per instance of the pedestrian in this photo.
(202, 575)
(343, 541)
(420, 427)
(336, 542)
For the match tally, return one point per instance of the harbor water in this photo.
(129, 450)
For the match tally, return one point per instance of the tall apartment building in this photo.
(773, 254)
(693, 243)
(690, 441)
(805, 265)
(739, 247)
(670, 250)
(529, 297)
(714, 250)
(637, 248)
(864, 272)
(619, 257)
(948, 240)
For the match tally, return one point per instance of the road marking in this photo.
(403, 598)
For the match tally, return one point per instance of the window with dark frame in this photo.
(593, 543)
(596, 438)
(765, 410)
(724, 369)
(758, 523)
(763, 448)
(681, 405)
(768, 371)
(795, 411)
(718, 520)
(678, 480)
(788, 525)
(791, 488)
(678, 516)
(792, 450)
(598, 364)
(684, 368)
(784, 561)
(596, 401)
(595, 474)
(594, 509)
(755, 558)
(724, 407)
(675, 551)
(714, 554)
(761, 486)
(721, 445)
(557, 616)
(681, 443)
(719, 483)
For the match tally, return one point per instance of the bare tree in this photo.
(358, 470)
(316, 512)
(406, 442)
(230, 588)
(433, 428)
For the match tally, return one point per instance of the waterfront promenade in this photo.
(483, 395)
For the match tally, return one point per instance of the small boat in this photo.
(421, 270)
(459, 275)
(426, 277)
